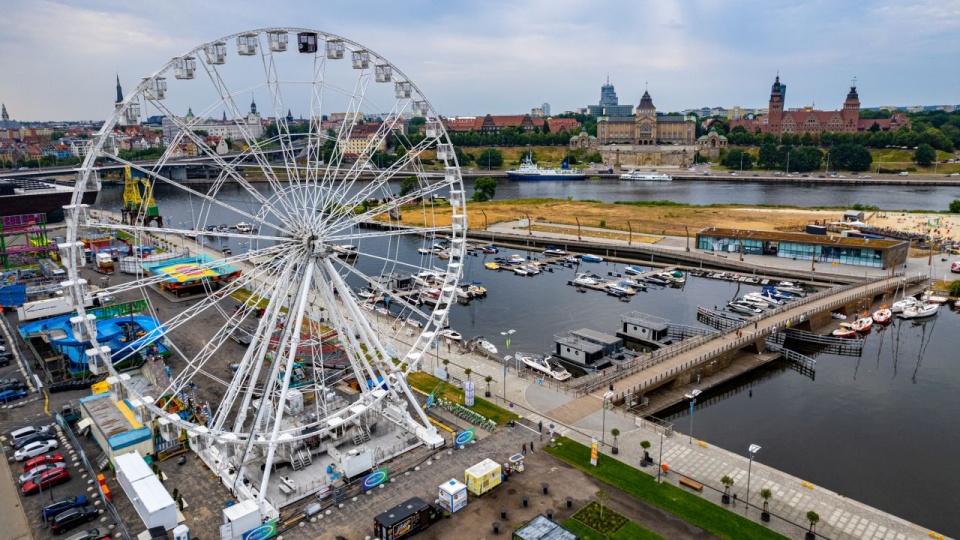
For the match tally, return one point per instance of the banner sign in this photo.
(463, 438)
(374, 479)
(119, 310)
(263, 532)
(593, 452)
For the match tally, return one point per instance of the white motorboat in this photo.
(900, 305)
(758, 297)
(487, 346)
(531, 269)
(450, 333)
(931, 298)
(520, 271)
(573, 259)
(633, 270)
(619, 291)
(366, 293)
(919, 312)
(792, 288)
(629, 283)
(742, 307)
(656, 279)
(675, 277)
(346, 251)
(554, 251)
(882, 315)
(517, 259)
(584, 278)
(428, 278)
(424, 251)
(544, 364)
(754, 302)
(244, 227)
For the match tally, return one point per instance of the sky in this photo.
(59, 59)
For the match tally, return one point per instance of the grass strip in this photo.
(427, 383)
(686, 506)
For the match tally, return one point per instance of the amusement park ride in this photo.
(281, 403)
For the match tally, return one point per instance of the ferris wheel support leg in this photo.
(424, 430)
(288, 374)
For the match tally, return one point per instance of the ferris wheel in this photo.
(322, 227)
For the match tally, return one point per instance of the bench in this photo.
(692, 484)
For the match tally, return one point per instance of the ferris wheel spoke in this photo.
(227, 98)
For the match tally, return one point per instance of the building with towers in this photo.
(609, 104)
(646, 127)
(779, 120)
(5, 121)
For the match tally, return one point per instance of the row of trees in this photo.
(848, 157)
(511, 136)
(874, 138)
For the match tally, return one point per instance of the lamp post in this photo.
(660, 459)
(692, 396)
(754, 448)
(603, 428)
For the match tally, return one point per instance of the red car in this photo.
(46, 480)
(33, 463)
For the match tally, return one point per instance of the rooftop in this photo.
(801, 238)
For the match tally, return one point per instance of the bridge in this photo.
(678, 365)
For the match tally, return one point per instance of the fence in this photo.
(93, 474)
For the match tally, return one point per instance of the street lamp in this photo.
(692, 396)
(754, 448)
(603, 428)
(660, 460)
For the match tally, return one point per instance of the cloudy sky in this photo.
(59, 59)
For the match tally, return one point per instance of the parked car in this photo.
(904, 173)
(955, 267)
(36, 437)
(69, 519)
(12, 384)
(35, 472)
(36, 448)
(46, 480)
(92, 534)
(56, 506)
(18, 434)
(41, 460)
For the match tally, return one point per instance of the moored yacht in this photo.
(544, 364)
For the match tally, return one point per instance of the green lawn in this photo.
(632, 531)
(426, 383)
(581, 530)
(687, 506)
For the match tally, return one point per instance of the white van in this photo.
(23, 433)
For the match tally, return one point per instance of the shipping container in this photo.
(405, 520)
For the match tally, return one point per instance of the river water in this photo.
(880, 428)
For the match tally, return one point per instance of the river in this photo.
(875, 428)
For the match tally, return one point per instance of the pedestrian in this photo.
(540, 426)
(734, 499)
(755, 323)
(524, 451)
(531, 447)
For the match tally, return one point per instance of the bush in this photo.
(955, 206)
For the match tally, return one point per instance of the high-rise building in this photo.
(609, 104)
(545, 108)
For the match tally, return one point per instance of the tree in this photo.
(467, 372)
(738, 159)
(805, 159)
(602, 498)
(484, 189)
(408, 186)
(768, 156)
(813, 518)
(490, 158)
(727, 482)
(616, 434)
(765, 494)
(924, 155)
(488, 379)
(955, 206)
(851, 157)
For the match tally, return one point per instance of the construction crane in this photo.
(139, 209)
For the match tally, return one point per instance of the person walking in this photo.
(524, 451)
(531, 447)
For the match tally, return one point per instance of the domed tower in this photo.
(775, 110)
(851, 110)
(646, 120)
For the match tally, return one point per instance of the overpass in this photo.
(677, 365)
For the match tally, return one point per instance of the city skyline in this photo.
(507, 58)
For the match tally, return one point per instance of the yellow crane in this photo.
(139, 208)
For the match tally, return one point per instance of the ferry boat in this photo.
(529, 170)
(544, 364)
(651, 176)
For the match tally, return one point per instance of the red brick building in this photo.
(778, 121)
(494, 124)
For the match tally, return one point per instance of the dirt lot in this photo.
(659, 220)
